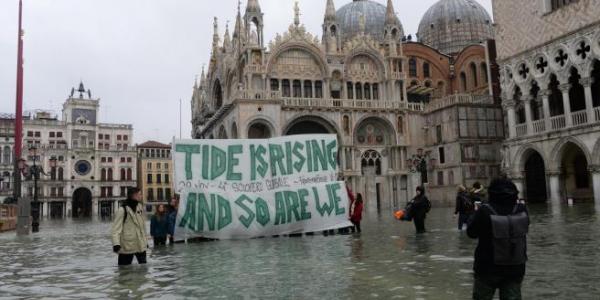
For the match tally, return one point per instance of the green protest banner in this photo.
(235, 189)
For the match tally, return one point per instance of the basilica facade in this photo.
(406, 111)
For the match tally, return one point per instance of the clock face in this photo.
(83, 167)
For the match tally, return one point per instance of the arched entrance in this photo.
(259, 130)
(82, 203)
(374, 138)
(306, 127)
(575, 176)
(535, 178)
(309, 125)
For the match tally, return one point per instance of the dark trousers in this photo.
(127, 259)
(356, 227)
(160, 240)
(485, 287)
(419, 224)
(463, 219)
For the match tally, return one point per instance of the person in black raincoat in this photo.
(419, 209)
(489, 276)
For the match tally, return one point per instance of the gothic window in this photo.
(555, 99)
(123, 175)
(358, 89)
(109, 174)
(103, 174)
(375, 91)
(463, 82)
(218, 95)
(60, 173)
(129, 174)
(149, 178)
(484, 72)
(412, 67)
(346, 123)
(297, 89)
(367, 93)
(319, 89)
(350, 90)
(576, 92)
(308, 89)
(371, 159)
(474, 75)
(150, 194)
(426, 70)
(537, 110)
(520, 108)
(400, 125)
(274, 84)
(7, 155)
(285, 85)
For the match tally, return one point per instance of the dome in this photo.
(451, 25)
(374, 13)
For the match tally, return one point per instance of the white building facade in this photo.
(95, 161)
(549, 52)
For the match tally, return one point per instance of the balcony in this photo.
(443, 102)
(558, 123)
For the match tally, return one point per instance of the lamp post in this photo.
(419, 163)
(34, 172)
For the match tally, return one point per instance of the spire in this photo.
(390, 14)
(215, 35)
(296, 14)
(226, 39)
(238, 28)
(253, 6)
(203, 78)
(330, 12)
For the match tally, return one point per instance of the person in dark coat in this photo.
(419, 209)
(159, 226)
(503, 196)
(464, 206)
(357, 213)
(172, 218)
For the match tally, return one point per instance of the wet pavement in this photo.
(71, 259)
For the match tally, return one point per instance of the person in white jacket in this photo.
(128, 232)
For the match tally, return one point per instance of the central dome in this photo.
(374, 13)
(451, 25)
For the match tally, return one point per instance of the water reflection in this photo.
(73, 259)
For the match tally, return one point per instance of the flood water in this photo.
(73, 260)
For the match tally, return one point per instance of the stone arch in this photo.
(234, 131)
(524, 153)
(310, 124)
(260, 128)
(557, 152)
(309, 49)
(222, 133)
(534, 171)
(370, 55)
(381, 133)
(82, 203)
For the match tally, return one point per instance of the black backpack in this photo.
(467, 204)
(509, 236)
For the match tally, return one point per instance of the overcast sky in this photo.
(139, 56)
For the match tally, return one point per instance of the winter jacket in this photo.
(460, 207)
(171, 220)
(131, 233)
(419, 207)
(357, 212)
(159, 226)
(480, 227)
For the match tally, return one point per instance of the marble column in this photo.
(595, 171)
(564, 88)
(509, 105)
(528, 117)
(546, 106)
(555, 194)
(589, 102)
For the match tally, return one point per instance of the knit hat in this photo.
(503, 191)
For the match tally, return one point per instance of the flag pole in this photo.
(24, 206)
